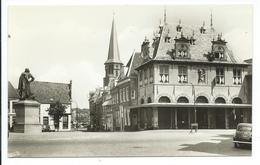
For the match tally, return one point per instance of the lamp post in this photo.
(195, 124)
(194, 101)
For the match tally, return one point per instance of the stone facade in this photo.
(188, 74)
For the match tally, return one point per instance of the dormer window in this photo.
(182, 47)
(182, 52)
(219, 52)
(218, 48)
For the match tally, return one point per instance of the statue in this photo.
(24, 90)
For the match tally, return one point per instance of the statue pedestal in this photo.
(27, 117)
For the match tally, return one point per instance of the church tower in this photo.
(113, 63)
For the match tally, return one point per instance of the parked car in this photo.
(243, 135)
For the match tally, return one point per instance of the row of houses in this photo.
(185, 74)
(47, 94)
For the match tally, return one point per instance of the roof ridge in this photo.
(51, 82)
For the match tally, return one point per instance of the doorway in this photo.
(220, 118)
(182, 118)
(164, 118)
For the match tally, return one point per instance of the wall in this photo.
(174, 89)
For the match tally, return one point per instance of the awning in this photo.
(197, 105)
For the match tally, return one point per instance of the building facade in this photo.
(187, 74)
(191, 76)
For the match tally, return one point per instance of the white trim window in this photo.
(141, 77)
(164, 73)
(220, 76)
(182, 74)
(237, 78)
(127, 93)
(151, 74)
(132, 94)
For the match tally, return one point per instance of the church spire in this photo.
(211, 21)
(164, 17)
(113, 51)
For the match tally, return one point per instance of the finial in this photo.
(193, 33)
(211, 20)
(179, 21)
(203, 23)
(164, 15)
(113, 14)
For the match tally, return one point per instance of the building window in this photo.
(183, 74)
(145, 76)
(164, 99)
(45, 120)
(133, 94)
(237, 100)
(202, 75)
(120, 97)
(142, 101)
(149, 100)
(127, 93)
(220, 100)
(164, 73)
(151, 74)
(141, 78)
(219, 53)
(202, 99)
(220, 76)
(123, 94)
(237, 80)
(182, 100)
(182, 52)
(65, 122)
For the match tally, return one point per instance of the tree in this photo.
(57, 110)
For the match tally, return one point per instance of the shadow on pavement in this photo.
(222, 146)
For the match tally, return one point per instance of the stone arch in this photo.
(164, 99)
(163, 94)
(183, 99)
(202, 99)
(237, 100)
(222, 96)
(182, 95)
(220, 100)
(203, 95)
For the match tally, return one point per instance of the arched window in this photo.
(164, 99)
(220, 100)
(237, 100)
(202, 99)
(149, 100)
(142, 101)
(182, 100)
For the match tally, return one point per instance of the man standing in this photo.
(24, 85)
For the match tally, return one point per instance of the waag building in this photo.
(185, 74)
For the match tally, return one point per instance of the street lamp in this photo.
(195, 124)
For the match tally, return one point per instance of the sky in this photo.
(63, 43)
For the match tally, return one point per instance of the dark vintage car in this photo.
(243, 135)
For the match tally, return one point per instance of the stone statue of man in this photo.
(24, 85)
